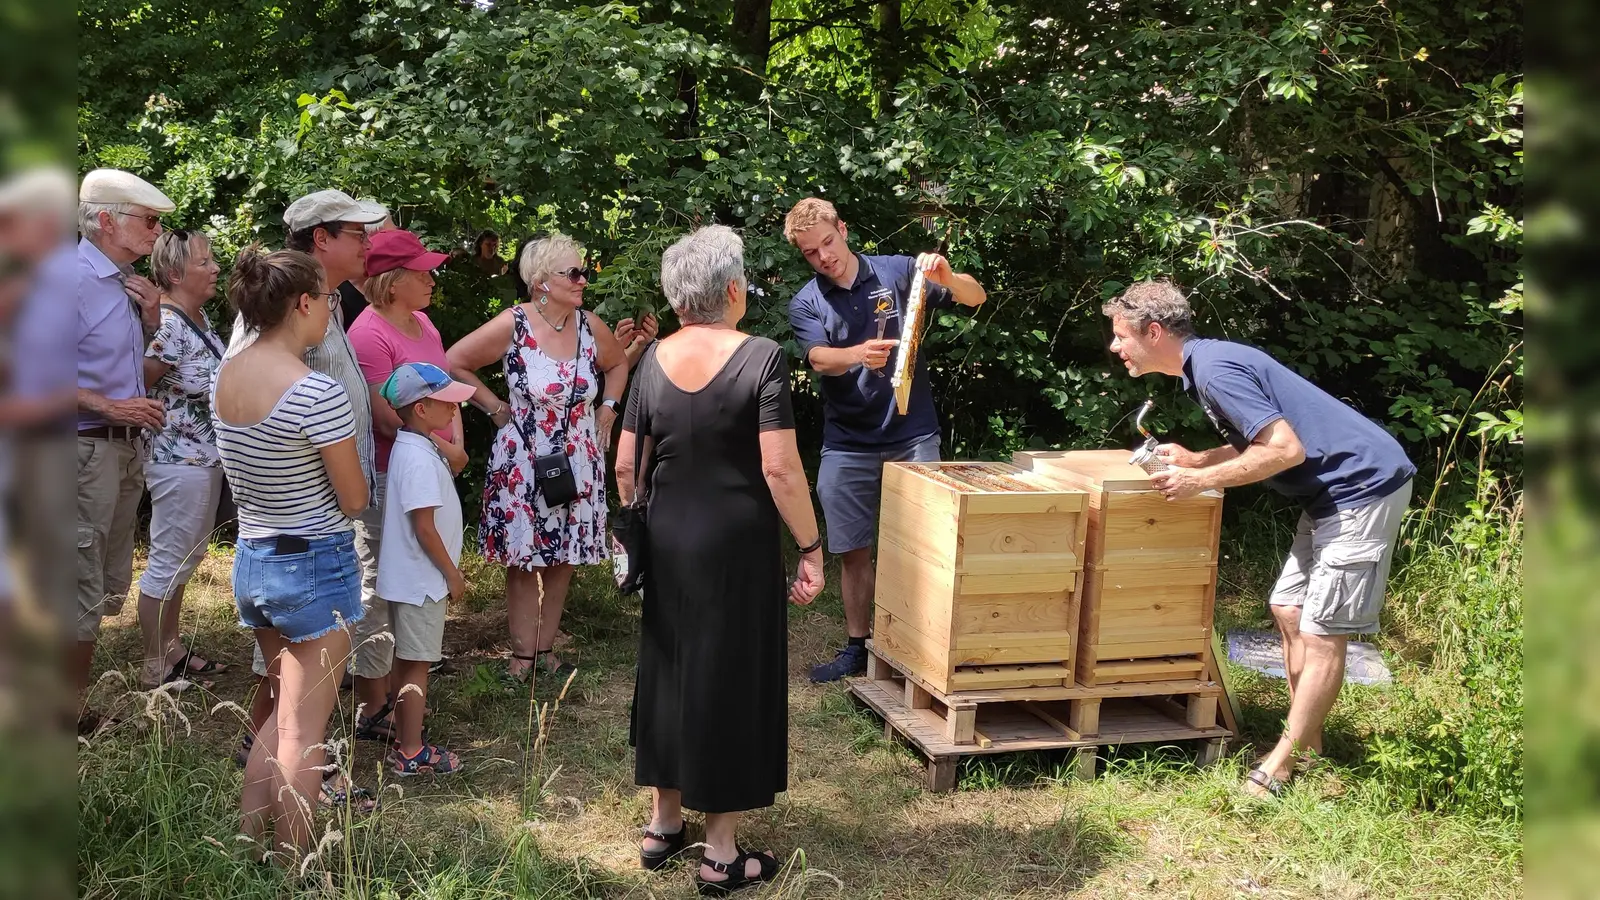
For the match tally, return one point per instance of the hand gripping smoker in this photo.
(1145, 455)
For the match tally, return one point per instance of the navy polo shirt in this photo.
(858, 410)
(1350, 461)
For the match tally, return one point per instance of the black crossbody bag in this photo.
(552, 472)
(630, 536)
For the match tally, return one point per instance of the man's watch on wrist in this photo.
(814, 545)
(610, 403)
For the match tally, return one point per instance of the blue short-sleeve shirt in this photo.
(1350, 460)
(858, 408)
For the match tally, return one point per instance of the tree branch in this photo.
(833, 21)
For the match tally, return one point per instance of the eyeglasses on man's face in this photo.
(151, 221)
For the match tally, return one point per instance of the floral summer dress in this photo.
(518, 529)
(187, 437)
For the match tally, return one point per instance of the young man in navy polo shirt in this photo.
(1349, 475)
(835, 318)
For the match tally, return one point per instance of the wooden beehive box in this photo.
(978, 568)
(1150, 569)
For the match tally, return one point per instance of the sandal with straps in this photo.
(561, 672)
(212, 667)
(377, 727)
(737, 879)
(1268, 785)
(432, 759)
(336, 798)
(656, 859)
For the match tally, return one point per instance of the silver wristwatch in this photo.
(610, 403)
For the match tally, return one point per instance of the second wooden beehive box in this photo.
(978, 574)
(1150, 569)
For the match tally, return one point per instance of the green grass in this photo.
(553, 812)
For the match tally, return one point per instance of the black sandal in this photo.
(656, 859)
(181, 672)
(522, 680)
(561, 672)
(736, 879)
(377, 727)
(212, 667)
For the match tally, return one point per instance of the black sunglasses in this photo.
(576, 272)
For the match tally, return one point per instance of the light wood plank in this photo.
(911, 651)
(1201, 712)
(1063, 565)
(1007, 613)
(1016, 583)
(1084, 717)
(1055, 503)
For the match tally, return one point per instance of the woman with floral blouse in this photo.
(182, 469)
(554, 353)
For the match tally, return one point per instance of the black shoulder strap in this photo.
(194, 328)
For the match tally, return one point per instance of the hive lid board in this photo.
(1106, 469)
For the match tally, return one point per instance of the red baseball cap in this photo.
(397, 249)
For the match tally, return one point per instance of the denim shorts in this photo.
(849, 484)
(303, 595)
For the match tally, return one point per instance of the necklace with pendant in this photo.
(559, 328)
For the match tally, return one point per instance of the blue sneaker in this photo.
(852, 660)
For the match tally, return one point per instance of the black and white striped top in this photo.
(274, 467)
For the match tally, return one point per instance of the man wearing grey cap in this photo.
(331, 226)
(119, 215)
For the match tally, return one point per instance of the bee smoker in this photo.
(1145, 455)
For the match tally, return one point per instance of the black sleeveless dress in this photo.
(710, 705)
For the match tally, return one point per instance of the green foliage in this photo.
(1325, 184)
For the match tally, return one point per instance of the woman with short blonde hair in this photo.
(182, 469)
(539, 527)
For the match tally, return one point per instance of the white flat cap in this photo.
(327, 206)
(117, 186)
(373, 206)
(45, 189)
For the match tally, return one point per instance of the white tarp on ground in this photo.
(1262, 651)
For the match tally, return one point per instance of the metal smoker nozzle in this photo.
(1145, 456)
(1138, 420)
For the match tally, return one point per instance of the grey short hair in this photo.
(539, 258)
(1157, 300)
(172, 254)
(89, 216)
(696, 271)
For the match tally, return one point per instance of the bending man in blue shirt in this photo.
(1350, 476)
(836, 320)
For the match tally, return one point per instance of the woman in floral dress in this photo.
(182, 469)
(554, 353)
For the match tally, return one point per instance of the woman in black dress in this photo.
(710, 713)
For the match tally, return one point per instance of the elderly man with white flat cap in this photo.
(119, 216)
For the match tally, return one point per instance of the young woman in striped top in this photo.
(287, 440)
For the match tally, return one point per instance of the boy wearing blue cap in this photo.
(417, 564)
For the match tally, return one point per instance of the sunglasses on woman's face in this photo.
(575, 273)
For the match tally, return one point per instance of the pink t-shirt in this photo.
(381, 348)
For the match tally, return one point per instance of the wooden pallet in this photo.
(947, 727)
